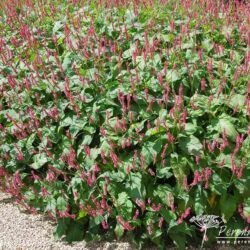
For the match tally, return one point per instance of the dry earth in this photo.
(22, 231)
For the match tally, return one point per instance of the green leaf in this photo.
(149, 149)
(30, 140)
(173, 75)
(116, 176)
(208, 45)
(226, 159)
(124, 205)
(51, 204)
(180, 228)
(190, 128)
(179, 240)
(179, 167)
(87, 140)
(61, 228)
(228, 206)
(163, 171)
(167, 38)
(61, 204)
(135, 187)
(119, 231)
(74, 232)
(199, 201)
(81, 214)
(237, 100)
(39, 160)
(243, 185)
(58, 26)
(219, 189)
(162, 191)
(67, 61)
(190, 145)
(128, 53)
(224, 123)
(168, 215)
(246, 208)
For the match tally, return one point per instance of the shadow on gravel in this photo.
(7, 200)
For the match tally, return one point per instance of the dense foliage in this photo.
(125, 118)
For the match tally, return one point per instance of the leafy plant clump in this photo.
(127, 117)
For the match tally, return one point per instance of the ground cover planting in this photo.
(127, 118)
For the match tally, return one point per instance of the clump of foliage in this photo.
(126, 117)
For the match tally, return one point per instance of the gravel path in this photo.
(23, 231)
